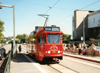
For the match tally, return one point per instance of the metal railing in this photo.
(7, 67)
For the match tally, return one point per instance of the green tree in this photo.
(92, 40)
(1, 29)
(99, 36)
(22, 37)
(66, 37)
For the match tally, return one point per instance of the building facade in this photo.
(85, 23)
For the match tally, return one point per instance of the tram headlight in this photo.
(49, 52)
(58, 51)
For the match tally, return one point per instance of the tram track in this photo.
(55, 67)
(69, 68)
(62, 69)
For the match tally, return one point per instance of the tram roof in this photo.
(47, 29)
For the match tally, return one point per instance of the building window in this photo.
(94, 20)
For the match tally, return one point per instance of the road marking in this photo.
(62, 69)
(83, 62)
(41, 69)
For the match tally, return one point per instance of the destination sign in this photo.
(52, 29)
(48, 29)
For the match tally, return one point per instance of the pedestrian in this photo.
(64, 47)
(19, 48)
(69, 47)
(92, 49)
(84, 48)
(79, 48)
(73, 48)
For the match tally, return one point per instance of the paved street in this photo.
(25, 64)
(68, 64)
(81, 66)
(75, 65)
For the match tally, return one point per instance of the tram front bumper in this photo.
(53, 55)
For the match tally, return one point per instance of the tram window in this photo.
(53, 38)
(44, 36)
(61, 38)
(41, 40)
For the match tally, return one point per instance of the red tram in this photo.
(47, 44)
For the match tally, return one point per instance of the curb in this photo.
(82, 58)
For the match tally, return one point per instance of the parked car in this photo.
(2, 53)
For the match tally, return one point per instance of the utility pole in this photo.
(13, 21)
(83, 30)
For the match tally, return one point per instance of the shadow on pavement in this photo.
(20, 58)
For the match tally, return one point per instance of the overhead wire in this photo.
(51, 7)
(30, 3)
(39, 5)
(81, 9)
(48, 10)
(90, 4)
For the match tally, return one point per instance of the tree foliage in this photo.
(22, 37)
(1, 29)
(91, 39)
(66, 37)
(99, 36)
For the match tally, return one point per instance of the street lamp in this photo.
(13, 21)
(45, 16)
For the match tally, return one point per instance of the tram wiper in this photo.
(55, 40)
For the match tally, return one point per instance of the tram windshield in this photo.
(53, 38)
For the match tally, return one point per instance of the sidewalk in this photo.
(22, 65)
(84, 57)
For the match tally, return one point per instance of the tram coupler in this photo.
(55, 59)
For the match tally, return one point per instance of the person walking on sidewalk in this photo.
(79, 48)
(84, 48)
(19, 48)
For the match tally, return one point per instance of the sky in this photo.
(26, 14)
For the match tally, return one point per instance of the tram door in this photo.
(39, 45)
(37, 54)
